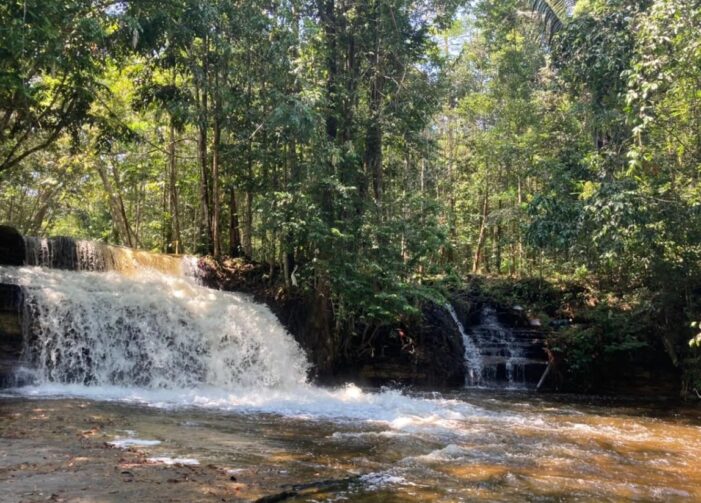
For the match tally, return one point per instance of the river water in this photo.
(355, 445)
(186, 376)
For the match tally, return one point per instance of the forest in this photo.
(377, 152)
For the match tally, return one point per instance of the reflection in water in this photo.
(473, 447)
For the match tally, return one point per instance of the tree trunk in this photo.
(483, 232)
(327, 15)
(497, 239)
(201, 97)
(205, 229)
(248, 226)
(235, 249)
(117, 209)
(373, 157)
(216, 207)
(520, 237)
(173, 190)
(133, 239)
(167, 234)
(46, 198)
(373, 137)
(139, 189)
(291, 179)
(247, 242)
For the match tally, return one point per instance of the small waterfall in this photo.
(502, 353)
(473, 358)
(82, 255)
(149, 330)
(37, 251)
(57, 252)
(496, 355)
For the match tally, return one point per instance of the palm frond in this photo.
(553, 14)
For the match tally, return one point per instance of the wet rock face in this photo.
(11, 246)
(442, 349)
(10, 332)
(427, 352)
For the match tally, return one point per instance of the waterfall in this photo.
(496, 355)
(473, 358)
(101, 315)
(507, 348)
(501, 350)
(82, 255)
(150, 330)
(163, 340)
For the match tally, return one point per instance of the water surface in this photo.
(354, 445)
(154, 388)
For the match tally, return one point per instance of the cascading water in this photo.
(160, 329)
(154, 331)
(502, 354)
(166, 342)
(496, 355)
(146, 330)
(82, 255)
(473, 358)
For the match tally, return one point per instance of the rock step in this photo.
(497, 360)
(487, 334)
(526, 374)
(514, 347)
(516, 362)
(505, 356)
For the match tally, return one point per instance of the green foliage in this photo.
(374, 152)
(51, 57)
(604, 339)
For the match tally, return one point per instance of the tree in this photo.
(50, 60)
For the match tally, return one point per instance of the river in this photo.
(355, 445)
(147, 386)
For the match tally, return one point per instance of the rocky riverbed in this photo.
(60, 450)
(390, 447)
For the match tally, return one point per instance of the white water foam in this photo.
(378, 480)
(390, 408)
(448, 453)
(125, 443)
(473, 357)
(154, 331)
(166, 342)
(165, 460)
